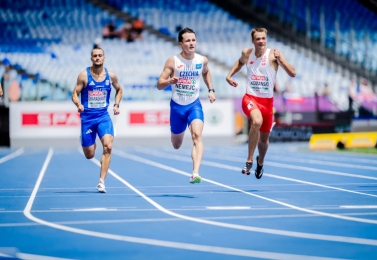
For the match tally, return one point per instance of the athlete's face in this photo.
(188, 42)
(98, 57)
(260, 40)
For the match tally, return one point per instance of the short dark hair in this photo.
(257, 30)
(183, 31)
(97, 48)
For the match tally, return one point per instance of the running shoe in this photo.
(246, 168)
(101, 188)
(195, 178)
(258, 170)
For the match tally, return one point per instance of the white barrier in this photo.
(60, 120)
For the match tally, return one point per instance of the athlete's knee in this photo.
(89, 155)
(263, 141)
(264, 138)
(176, 144)
(196, 137)
(107, 147)
(256, 123)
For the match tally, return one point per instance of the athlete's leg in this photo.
(105, 132)
(196, 129)
(263, 146)
(256, 121)
(107, 143)
(178, 125)
(177, 140)
(89, 151)
(88, 138)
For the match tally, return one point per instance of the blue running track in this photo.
(307, 205)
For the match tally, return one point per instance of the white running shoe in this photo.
(101, 188)
(195, 178)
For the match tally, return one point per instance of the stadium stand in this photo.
(51, 39)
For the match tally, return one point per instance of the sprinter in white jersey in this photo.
(183, 72)
(262, 65)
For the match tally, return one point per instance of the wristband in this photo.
(116, 105)
(211, 89)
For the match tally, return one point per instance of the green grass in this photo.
(360, 150)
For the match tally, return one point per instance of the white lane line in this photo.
(169, 244)
(140, 220)
(95, 209)
(318, 162)
(232, 168)
(24, 256)
(12, 155)
(223, 166)
(238, 159)
(117, 221)
(228, 208)
(281, 156)
(241, 227)
(359, 206)
(302, 168)
(319, 185)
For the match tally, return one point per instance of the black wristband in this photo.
(116, 105)
(211, 89)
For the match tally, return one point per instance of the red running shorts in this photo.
(265, 105)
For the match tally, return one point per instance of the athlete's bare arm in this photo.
(208, 80)
(167, 76)
(80, 84)
(237, 66)
(118, 91)
(279, 58)
(1, 91)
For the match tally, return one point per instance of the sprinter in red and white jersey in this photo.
(262, 65)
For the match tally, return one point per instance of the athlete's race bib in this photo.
(97, 98)
(259, 83)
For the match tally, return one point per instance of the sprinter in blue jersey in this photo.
(183, 72)
(94, 85)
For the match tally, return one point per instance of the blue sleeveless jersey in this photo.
(95, 97)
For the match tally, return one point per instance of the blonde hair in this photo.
(257, 30)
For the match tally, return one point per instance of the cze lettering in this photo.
(189, 74)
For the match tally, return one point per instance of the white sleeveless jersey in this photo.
(188, 73)
(261, 77)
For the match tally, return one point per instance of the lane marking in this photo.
(24, 256)
(194, 208)
(234, 226)
(318, 162)
(237, 159)
(95, 209)
(117, 221)
(12, 155)
(228, 208)
(359, 206)
(232, 168)
(143, 187)
(279, 155)
(169, 244)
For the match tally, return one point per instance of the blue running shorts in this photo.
(182, 116)
(90, 128)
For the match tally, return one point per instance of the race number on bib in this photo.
(97, 98)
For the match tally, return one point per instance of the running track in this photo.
(308, 205)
